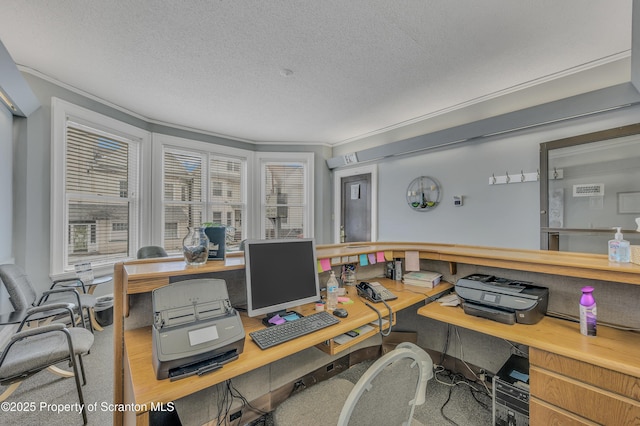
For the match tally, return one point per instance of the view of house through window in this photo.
(284, 199)
(103, 205)
(202, 188)
(99, 188)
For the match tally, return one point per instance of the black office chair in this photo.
(386, 394)
(149, 252)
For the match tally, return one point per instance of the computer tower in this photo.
(511, 393)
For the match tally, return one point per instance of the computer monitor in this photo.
(280, 274)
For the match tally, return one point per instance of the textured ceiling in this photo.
(306, 71)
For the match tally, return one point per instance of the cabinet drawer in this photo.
(588, 373)
(546, 414)
(580, 398)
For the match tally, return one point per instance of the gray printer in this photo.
(195, 329)
(501, 299)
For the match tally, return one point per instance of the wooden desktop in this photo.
(146, 389)
(572, 376)
(140, 388)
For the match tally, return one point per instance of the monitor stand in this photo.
(282, 314)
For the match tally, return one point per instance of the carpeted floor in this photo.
(445, 405)
(48, 399)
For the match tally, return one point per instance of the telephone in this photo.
(374, 291)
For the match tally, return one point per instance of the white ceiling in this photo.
(309, 71)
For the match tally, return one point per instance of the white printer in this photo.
(501, 299)
(195, 328)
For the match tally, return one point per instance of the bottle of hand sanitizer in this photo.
(619, 250)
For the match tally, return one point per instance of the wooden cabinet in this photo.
(568, 391)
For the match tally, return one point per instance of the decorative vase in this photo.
(195, 246)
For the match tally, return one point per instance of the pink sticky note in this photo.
(372, 258)
(325, 264)
(380, 256)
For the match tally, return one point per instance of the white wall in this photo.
(6, 195)
(493, 215)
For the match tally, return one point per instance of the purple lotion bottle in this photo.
(588, 312)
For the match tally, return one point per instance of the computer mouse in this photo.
(341, 313)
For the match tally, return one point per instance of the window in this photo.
(216, 189)
(286, 196)
(171, 230)
(119, 227)
(208, 184)
(96, 188)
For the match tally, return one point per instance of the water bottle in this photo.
(332, 292)
(588, 312)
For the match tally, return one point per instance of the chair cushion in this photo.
(82, 339)
(37, 352)
(320, 407)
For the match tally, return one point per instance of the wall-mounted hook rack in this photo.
(519, 177)
(556, 174)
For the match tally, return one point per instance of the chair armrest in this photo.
(45, 295)
(37, 330)
(49, 328)
(79, 282)
(45, 308)
(50, 307)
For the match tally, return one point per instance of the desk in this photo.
(146, 389)
(12, 318)
(140, 277)
(603, 371)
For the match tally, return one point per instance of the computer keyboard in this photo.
(274, 335)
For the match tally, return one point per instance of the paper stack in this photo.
(427, 279)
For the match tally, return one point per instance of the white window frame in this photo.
(61, 111)
(262, 158)
(159, 143)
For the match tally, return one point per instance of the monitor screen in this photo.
(280, 274)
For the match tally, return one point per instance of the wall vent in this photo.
(588, 190)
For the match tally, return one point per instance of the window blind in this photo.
(199, 188)
(100, 189)
(284, 199)
(182, 180)
(226, 201)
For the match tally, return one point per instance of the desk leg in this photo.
(94, 322)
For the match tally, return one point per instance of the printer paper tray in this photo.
(202, 367)
(498, 315)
